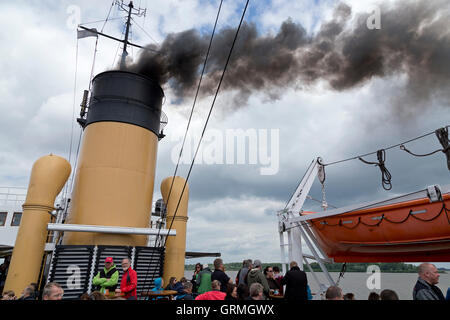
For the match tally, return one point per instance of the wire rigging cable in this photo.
(195, 101)
(209, 115)
(387, 148)
(73, 111)
(442, 135)
(67, 189)
(148, 35)
(157, 239)
(91, 22)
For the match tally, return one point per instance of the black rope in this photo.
(402, 147)
(446, 214)
(341, 274)
(387, 148)
(385, 174)
(427, 220)
(373, 225)
(442, 135)
(342, 224)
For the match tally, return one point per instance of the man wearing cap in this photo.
(255, 275)
(107, 278)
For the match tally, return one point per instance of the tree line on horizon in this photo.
(399, 267)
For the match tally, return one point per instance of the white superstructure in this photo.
(11, 200)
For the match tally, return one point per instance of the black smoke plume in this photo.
(414, 40)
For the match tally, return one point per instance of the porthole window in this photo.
(16, 219)
(3, 216)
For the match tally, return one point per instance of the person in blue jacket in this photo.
(308, 292)
(159, 282)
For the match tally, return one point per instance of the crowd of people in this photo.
(251, 283)
(254, 283)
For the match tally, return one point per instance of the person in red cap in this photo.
(129, 281)
(106, 279)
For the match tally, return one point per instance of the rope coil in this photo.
(385, 174)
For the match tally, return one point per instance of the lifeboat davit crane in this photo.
(414, 227)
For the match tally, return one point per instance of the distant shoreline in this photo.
(336, 267)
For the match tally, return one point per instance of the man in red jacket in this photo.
(215, 294)
(129, 281)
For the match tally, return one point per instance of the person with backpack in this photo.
(255, 275)
(203, 280)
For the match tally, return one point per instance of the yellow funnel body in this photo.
(48, 176)
(114, 183)
(175, 251)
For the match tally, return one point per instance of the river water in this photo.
(356, 283)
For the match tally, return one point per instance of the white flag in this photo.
(87, 33)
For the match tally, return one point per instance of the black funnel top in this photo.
(127, 97)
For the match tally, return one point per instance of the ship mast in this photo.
(131, 11)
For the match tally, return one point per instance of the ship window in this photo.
(3, 216)
(16, 219)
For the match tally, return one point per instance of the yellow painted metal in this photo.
(114, 183)
(48, 176)
(175, 245)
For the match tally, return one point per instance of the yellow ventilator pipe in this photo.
(175, 252)
(48, 176)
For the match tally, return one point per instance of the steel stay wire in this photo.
(195, 101)
(374, 152)
(209, 115)
(67, 189)
(441, 133)
(207, 119)
(186, 132)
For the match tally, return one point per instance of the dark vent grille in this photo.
(73, 267)
(149, 266)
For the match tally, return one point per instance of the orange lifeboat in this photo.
(408, 231)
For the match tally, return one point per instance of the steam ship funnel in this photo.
(114, 179)
(175, 246)
(48, 176)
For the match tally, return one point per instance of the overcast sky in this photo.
(232, 207)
